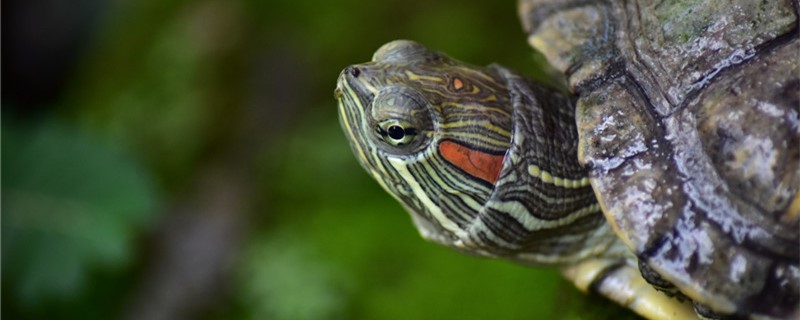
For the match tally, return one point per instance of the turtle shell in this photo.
(688, 123)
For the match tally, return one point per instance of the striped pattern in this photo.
(539, 209)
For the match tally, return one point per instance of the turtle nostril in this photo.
(355, 72)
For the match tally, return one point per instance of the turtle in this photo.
(665, 175)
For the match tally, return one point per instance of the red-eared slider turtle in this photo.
(668, 177)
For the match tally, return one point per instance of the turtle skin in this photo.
(688, 123)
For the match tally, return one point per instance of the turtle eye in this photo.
(400, 119)
(395, 132)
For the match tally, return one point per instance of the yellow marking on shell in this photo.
(719, 303)
(546, 177)
(582, 274)
(538, 43)
(612, 221)
(793, 213)
(412, 76)
(581, 148)
(626, 287)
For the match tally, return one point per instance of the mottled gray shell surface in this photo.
(688, 124)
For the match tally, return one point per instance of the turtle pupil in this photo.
(396, 132)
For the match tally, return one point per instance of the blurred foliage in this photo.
(165, 90)
(71, 206)
(162, 97)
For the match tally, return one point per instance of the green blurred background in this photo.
(167, 159)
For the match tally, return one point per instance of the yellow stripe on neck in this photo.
(546, 177)
(413, 76)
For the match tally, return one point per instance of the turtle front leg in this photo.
(619, 280)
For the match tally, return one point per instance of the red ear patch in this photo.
(479, 164)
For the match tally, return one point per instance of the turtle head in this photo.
(433, 131)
